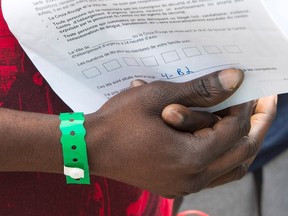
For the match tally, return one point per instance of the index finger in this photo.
(225, 134)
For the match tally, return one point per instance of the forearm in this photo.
(30, 142)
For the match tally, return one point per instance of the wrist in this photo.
(74, 149)
(96, 134)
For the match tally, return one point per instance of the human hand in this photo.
(128, 140)
(183, 118)
(233, 164)
(264, 113)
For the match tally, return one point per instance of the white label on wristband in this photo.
(75, 173)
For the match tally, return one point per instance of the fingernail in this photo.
(230, 78)
(136, 83)
(175, 117)
(276, 100)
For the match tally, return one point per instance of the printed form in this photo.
(90, 50)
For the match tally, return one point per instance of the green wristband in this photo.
(74, 149)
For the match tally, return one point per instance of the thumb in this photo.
(182, 118)
(208, 90)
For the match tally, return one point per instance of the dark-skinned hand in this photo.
(133, 144)
(185, 119)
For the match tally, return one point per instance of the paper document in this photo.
(90, 50)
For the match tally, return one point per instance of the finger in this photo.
(183, 118)
(227, 132)
(265, 112)
(234, 175)
(243, 154)
(137, 83)
(226, 112)
(208, 90)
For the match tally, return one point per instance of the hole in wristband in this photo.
(72, 133)
(74, 147)
(71, 120)
(75, 160)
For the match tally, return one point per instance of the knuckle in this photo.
(240, 172)
(252, 147)
(202, 87)
(244, 127)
